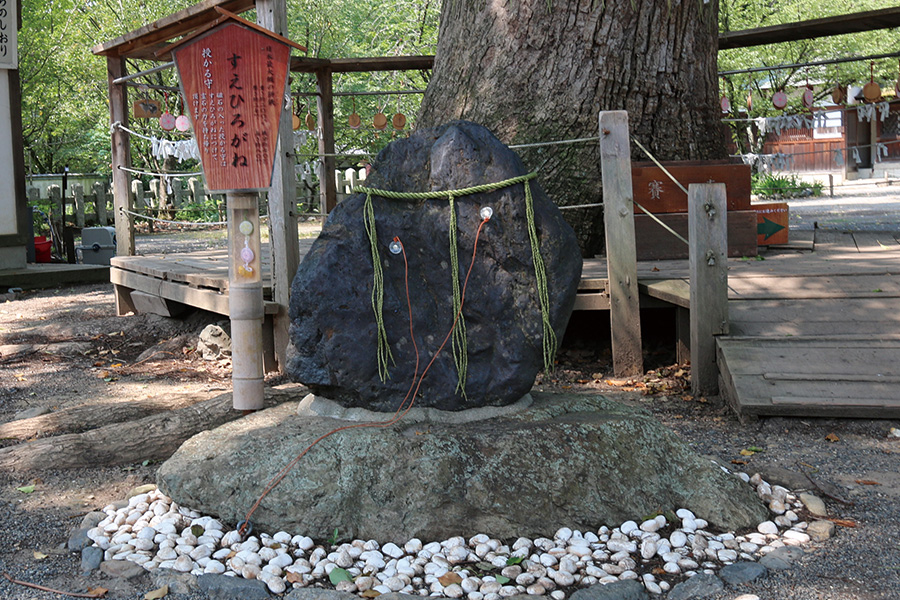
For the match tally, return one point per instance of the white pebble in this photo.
(683, 513)
(648, 548)
(767, 527)
(558, 595)
(183, 564)
(391, 549)
(678, 539)
(214, 566)
(627, 527)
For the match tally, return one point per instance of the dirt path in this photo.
(64, 348)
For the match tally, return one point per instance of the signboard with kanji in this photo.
(9, 44)
(656, 192)
(233, 78)
(772, 223)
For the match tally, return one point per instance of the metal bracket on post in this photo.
(708, 235)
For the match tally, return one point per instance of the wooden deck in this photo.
(815, 326)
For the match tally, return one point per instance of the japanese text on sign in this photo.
(8, 35)
(233, 78)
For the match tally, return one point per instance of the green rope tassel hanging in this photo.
(458, 341)
(540, 275)
(383, 349)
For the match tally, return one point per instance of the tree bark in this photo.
(155, 437)
(542, 70)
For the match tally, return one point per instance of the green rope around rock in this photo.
(460, 353)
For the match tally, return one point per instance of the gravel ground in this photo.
(68, 343)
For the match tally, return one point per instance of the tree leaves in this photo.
(26, 489)
(449, 578)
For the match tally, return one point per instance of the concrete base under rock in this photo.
(568, 460)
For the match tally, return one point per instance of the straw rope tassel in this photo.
(458, 342)
(383, 349)
(540, 275)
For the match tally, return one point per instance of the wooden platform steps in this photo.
(828, 376)
(820, 339)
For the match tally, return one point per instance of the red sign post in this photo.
(233, 77)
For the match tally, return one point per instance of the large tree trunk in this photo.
(541, 70)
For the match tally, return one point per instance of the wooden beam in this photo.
(302, 64)
(284, 246)
(325, 105)
(707, 208)
(143, 42)
(621, 256)
(871, 20)
(121, 157)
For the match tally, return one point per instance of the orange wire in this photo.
(397, 414)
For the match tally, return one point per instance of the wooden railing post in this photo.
(621, 253)
(78, 195)
(708, 235)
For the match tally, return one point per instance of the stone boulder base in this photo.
(333, 327)
(569, 460)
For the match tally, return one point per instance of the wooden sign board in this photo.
(147, 109)
(233, 79)
(772, 223)
(9, 35)
(656, 192)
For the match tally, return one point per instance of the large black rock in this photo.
(333, 326)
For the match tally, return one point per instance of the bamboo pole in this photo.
(245, 301)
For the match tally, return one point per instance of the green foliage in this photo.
(736, 15)
(767, 185)
(64, 85)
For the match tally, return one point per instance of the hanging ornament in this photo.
(310, 120)
(838, 94)
(353, 120)
(295, 117)
(750, 100)
(808, 96)
(379, 121)
(779, 100)
(872, 91)
(399, 120)
(167, 119)
(182, 121)
(725, 103)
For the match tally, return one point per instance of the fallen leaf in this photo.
(449, 578)
(747, 452)
(867, 482)
(197, 530)
(371, 594)
(97, 592)
(292, 577)
(735, 461)
(755, 449)
(157, 594)
(338, 575)
(26, 489)
(39, 555)
(502, 579)
(514, 560)
(831, 437)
